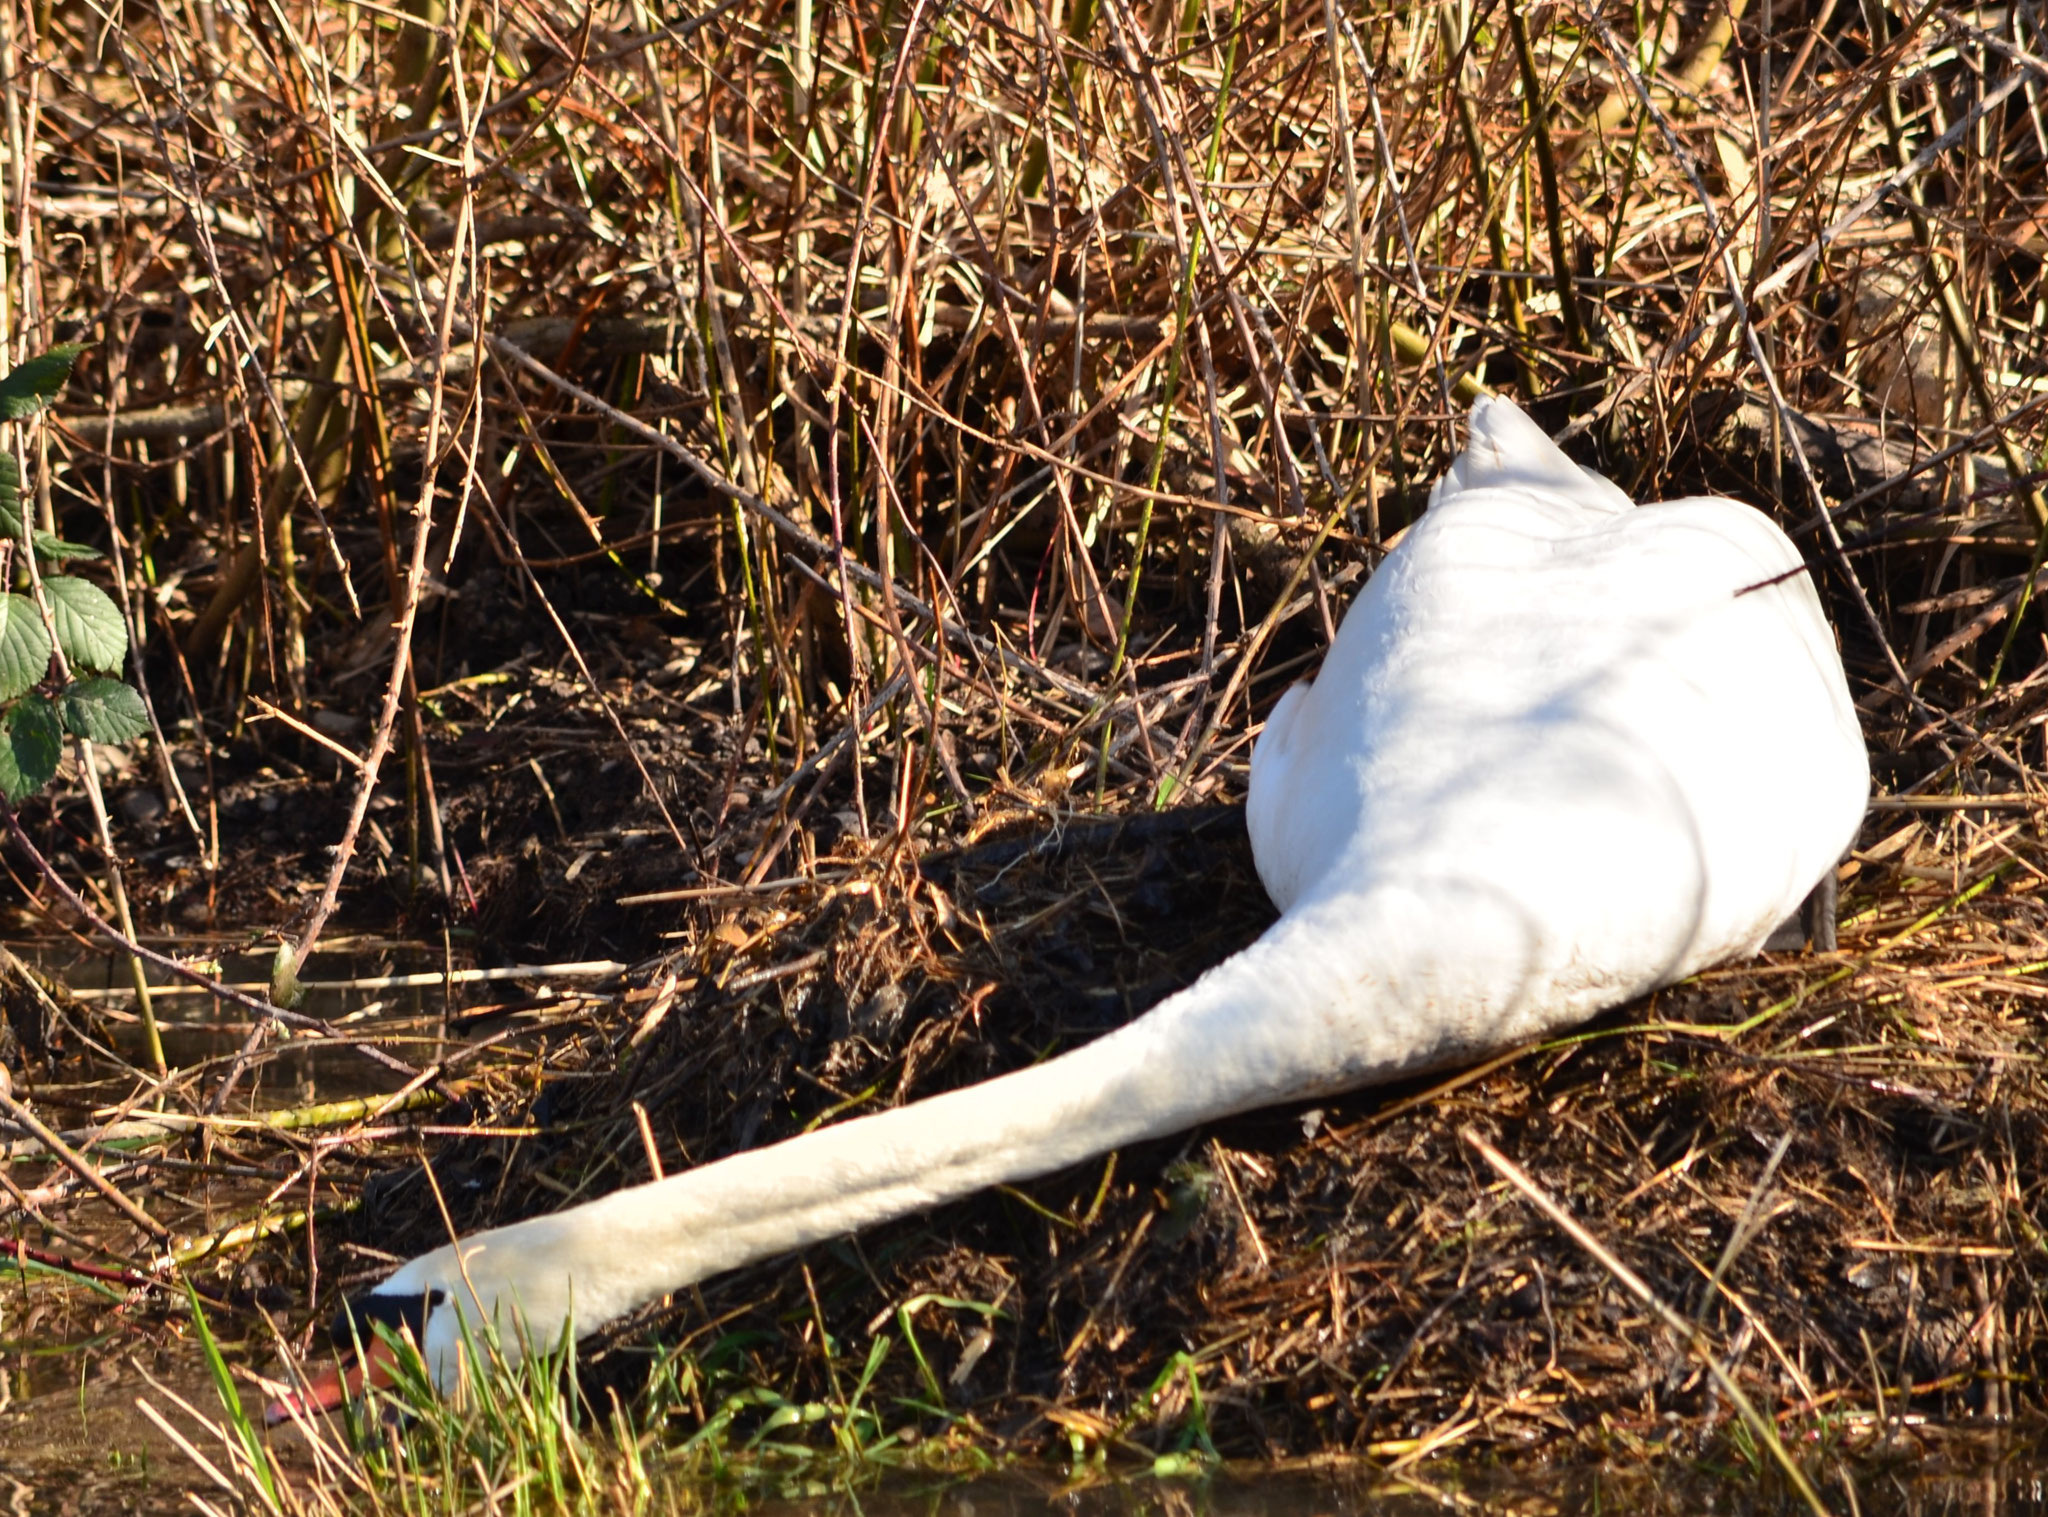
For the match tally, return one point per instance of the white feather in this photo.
(1564, 750)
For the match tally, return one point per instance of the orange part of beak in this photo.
(326, 1390)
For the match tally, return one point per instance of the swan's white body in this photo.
(1565, 750)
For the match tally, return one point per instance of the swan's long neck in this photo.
(1263, 1026)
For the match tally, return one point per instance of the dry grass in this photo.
(697, 492)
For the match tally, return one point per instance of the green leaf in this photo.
(30, 386)
(56, 550)
(24, 646)
(285, 990)
(34, 741)
(48, 544)
(254, 1451)
(10, 495)
(89, 625)
(104, 711)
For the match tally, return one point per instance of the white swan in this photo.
(1565, 750)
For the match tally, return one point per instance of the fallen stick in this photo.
(1689, 1333)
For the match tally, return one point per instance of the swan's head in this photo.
(450, 1306)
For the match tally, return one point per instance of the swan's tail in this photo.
(1509, 451)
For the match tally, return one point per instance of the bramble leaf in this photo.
(89, 625)
(30, 386)
(10, 496)
(33, 742)
(24, 646)
(56, 550)
(103, 711)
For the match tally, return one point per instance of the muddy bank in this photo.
(1825, 1160)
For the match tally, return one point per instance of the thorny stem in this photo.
(414, 583)
(88, 773)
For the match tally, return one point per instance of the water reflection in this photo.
(2015, 1485)
(402, 993)
(195, 1029)
(77, 1350)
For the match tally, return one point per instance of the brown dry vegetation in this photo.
(731, 494)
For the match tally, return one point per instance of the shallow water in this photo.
(75, 1358)
(409, 996)
(2009, 1488)
(73, 1442)
(72, 1439)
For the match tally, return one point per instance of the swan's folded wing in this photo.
(1274, 791)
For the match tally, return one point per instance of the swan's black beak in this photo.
(350, 1376)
